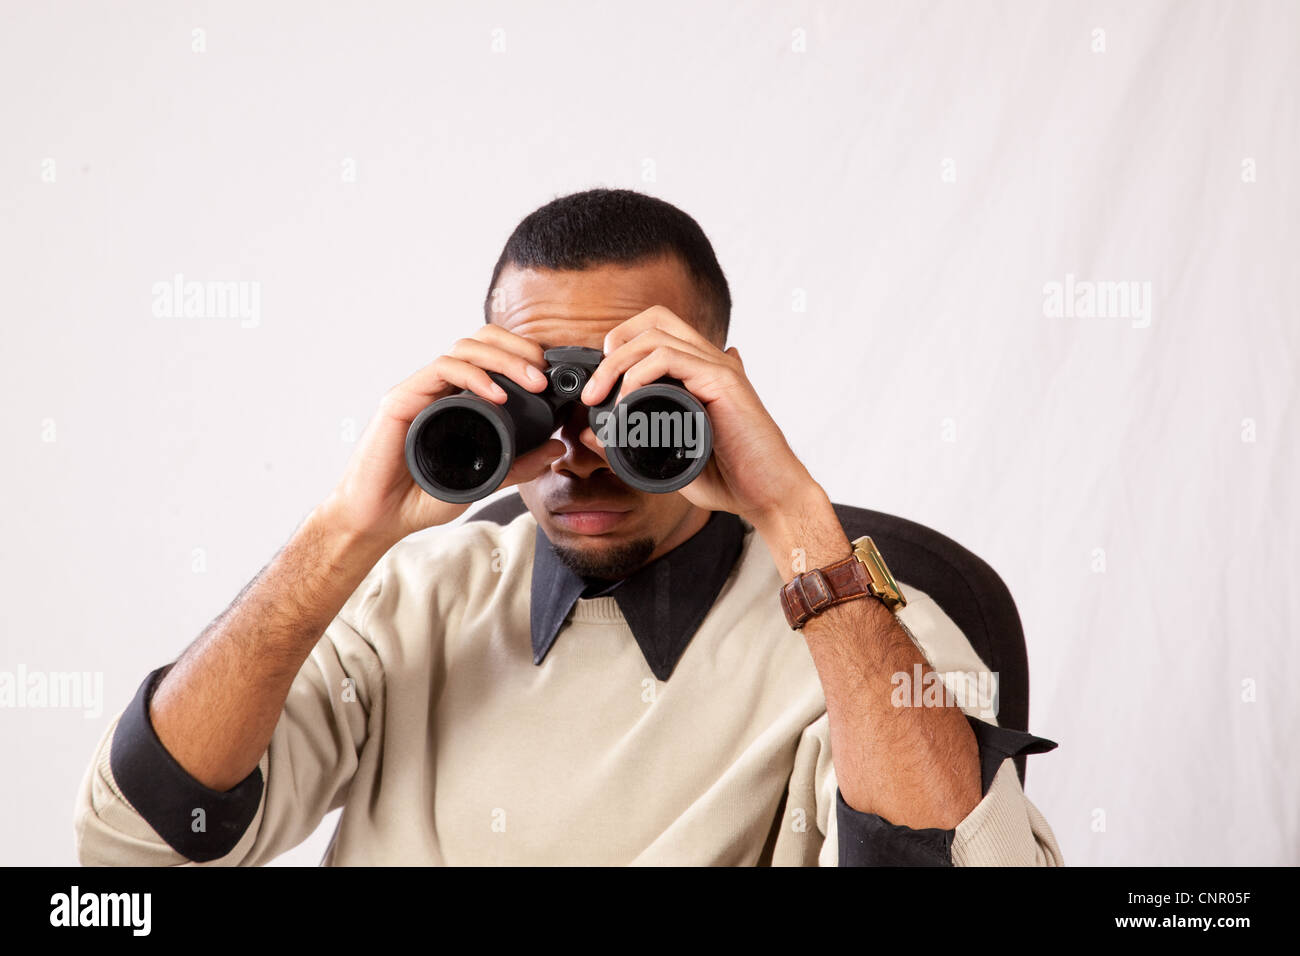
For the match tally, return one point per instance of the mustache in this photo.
(599, 493)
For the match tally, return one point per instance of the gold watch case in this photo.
(882, 583)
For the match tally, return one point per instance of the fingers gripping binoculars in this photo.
(657, 439)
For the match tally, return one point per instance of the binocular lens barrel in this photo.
(658, 439)
(460, 448)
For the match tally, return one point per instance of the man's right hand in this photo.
(260, 642)
(377, 499)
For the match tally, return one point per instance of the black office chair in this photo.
(968, 590)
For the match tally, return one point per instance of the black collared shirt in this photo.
(664, 602)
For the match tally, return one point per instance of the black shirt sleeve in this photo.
(167, 797)
(868, 839)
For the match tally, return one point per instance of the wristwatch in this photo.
(862, 574)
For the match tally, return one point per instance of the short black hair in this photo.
(601, 226)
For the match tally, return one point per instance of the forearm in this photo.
(217, 706)
(914, 766)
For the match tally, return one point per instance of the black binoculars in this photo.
(657, 439)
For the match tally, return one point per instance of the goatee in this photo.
(607, 564)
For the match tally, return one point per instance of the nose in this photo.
(579, 459)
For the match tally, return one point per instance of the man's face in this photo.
(599, 526)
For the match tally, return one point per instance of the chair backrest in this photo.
(969, 591)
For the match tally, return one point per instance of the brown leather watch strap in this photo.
(814, 591)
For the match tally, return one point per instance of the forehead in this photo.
(579, 307)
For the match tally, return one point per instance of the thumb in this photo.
(529, 466)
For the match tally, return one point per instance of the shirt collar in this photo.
(663, 602)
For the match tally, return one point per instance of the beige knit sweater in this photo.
(422, 714)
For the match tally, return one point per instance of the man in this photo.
(610, 677)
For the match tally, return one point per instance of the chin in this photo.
(605, 557)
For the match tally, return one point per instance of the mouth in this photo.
(594, 517)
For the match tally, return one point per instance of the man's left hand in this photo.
(753, 472)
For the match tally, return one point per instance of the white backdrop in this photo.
(891, 189)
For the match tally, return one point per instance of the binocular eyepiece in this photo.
(657, 439)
